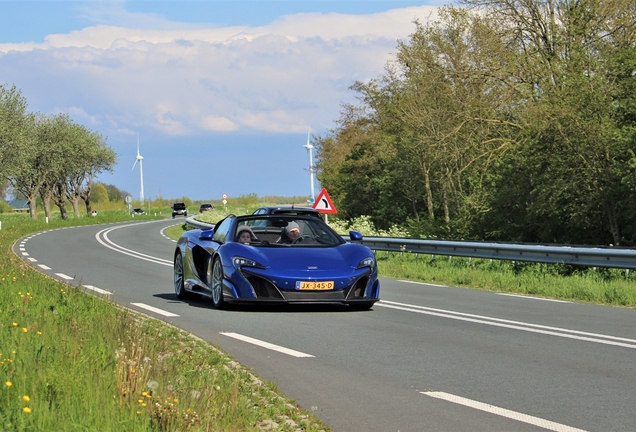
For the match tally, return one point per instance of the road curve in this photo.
(426, 358)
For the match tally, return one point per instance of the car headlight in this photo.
(367, 262)
(240, 262)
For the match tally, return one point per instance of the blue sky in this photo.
(221, 93)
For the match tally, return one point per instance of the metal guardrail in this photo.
(614, 257)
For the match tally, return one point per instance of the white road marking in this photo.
(267, 345)
(423, 283)
(32, 259)
(43, 267)
(155, 310)
(109, 244)
(22, 249)
(97, 290)
(63, 276)
(25, 254)
(536, 421)
(516, 325)
(533, 298)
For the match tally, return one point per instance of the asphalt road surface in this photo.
(425, 358)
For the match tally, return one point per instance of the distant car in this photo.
(292, 210)
(137, 211)
(317, 266)
(179, 209)
(206, 207)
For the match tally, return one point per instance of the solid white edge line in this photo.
(155, 310)
(423, 283)
(534, 298)
(267, 345)
(518, 327)
(536, 421)
(413, 308)
(97, 290)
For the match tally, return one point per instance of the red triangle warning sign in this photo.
(324, 204)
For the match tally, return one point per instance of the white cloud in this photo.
(185, 81)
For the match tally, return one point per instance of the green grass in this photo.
(602, 286)
(72, 361)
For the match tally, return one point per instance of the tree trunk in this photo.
(46, 202)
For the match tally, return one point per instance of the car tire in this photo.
(179, 288)
(215, 280)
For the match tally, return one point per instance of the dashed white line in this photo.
(43, 267)
(536, 421)
(32, 259)
(25, 254)
(63, 276)
(155, 310)
(267, 345)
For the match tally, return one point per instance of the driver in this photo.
(291, 233)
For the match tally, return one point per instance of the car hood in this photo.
(288, 260)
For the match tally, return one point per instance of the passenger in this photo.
(290, 234)
(245, 235)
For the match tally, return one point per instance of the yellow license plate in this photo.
(328, 285)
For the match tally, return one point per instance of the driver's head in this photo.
(293, 231)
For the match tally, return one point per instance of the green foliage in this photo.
(5, 208)
(488, 125)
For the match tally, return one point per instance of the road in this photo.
(425, 358)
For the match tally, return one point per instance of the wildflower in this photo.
(25, 330)
(39, 332)
(138, 412)
(26, 410)
(140, 401)
(26, 398)
(15, 324)
(153, 385)
(8, 383)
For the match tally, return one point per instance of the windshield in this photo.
(285, 231)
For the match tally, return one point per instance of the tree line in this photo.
(499, 120)
(49, 156)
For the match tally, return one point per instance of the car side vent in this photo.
(357, 291)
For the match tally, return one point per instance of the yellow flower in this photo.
(24, 329)
(8, 383)
(143, 404)
(39, 333)
(140, 401)
(26, 410)
(26, 398)
(138, 412)
(15, 324)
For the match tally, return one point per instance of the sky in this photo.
(221, 94)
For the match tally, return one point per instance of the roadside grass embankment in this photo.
(74, 361)
(614, 287)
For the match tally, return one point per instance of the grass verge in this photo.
(72, 361)
(613, 287)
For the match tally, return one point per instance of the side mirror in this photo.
(206, 234)
(355, 236)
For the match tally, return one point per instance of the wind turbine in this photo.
(140, 159)
(309, 148)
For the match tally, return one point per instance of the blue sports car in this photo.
(275, 259)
